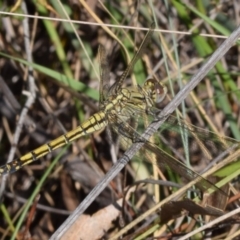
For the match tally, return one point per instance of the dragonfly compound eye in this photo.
(155, 89)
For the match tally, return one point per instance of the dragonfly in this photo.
(118, 107)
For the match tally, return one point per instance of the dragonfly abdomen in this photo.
(94, 123)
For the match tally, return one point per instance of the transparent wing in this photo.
(203, 147)
(203, 143)
(167, 161)
(115, 88)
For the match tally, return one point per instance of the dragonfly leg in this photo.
(127, 131)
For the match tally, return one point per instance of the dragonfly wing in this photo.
(205, 144)
(115, 88)
(166, 160)
(163, 158)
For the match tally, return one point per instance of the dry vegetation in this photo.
(64, 68)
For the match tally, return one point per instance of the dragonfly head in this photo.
(155, 90)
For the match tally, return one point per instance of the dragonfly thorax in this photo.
(129, 102)
(116, 102)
